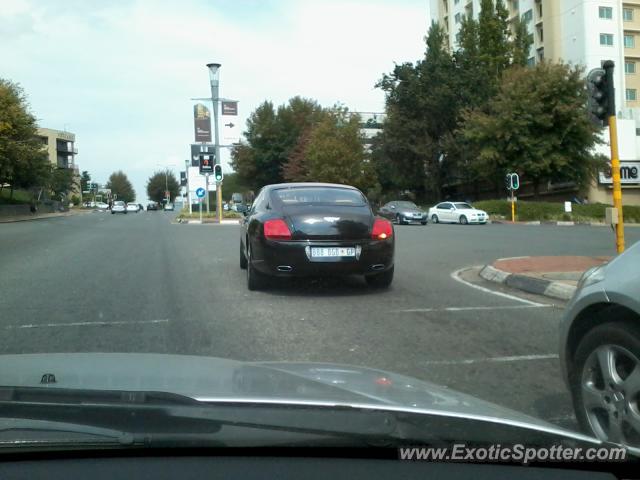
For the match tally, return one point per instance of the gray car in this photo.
(403, 212)
(600, 349)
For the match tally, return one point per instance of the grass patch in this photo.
(529, 211)
(20, 197)
(196, 215)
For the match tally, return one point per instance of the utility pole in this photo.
(214, 78)
(186, 172)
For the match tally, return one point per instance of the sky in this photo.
(121, 74)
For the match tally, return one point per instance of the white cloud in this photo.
(120, 75)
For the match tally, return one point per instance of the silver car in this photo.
(600, 349)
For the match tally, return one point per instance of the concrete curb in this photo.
(561, 223)
(538, 286)
(183, 221)
(39, 217)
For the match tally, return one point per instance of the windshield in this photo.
(324, 196)
(201, 200)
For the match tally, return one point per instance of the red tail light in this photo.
(382, 229)
(276, 229)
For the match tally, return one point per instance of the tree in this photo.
(85, 181)
(61, 181)
(23, 161)
(334, 152)
(422, 103)
(296, 168)
(537, 125)
(158, 183)
(521, 43)
(121, 187)
(270, 137)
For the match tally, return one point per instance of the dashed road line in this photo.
(507, 359)
(471, 309)
(83, 324)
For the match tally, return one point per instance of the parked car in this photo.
(309, 229)
(119, 207)
(133, 207)
(403, 212)
(152, 206)
(600, 349)
(457, 212)
(89, 204)
(169, 207)
(102, 206)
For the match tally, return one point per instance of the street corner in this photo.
(551, 276)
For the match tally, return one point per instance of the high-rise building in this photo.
(61, 151)
(586, 33)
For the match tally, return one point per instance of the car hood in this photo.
(215, 379)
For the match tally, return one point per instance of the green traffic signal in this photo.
(217, 172)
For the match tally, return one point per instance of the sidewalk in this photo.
(39, 216)
(555, 277)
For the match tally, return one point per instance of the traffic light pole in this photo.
(206, 189)
(615, 159)
(513, 208)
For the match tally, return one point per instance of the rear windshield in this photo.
(321, 196)
(118, 203)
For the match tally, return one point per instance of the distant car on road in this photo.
(457, 212)
(133, 207)
(89, 204)
(152, 206)
(102, 206)
(403, 212)
(600, 349)
(308, 229)
(169, 207)
(118, 207)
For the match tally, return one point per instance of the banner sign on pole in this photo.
(229, 108)
(202, 123)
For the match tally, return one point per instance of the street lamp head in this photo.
(214, 69)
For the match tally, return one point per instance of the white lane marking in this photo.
(456, 277)
(470, 309)
(513, 358)
(83, 324)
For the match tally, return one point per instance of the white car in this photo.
(457, 212)
(101, 205)
(169, 207)
(133, 207)
(118, 207)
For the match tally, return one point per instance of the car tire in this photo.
(424, 222)
(398, 219)
(380, 280)
(113, 213)
(434, 218)
(622, 341)
(243, 258)
(255, 279)
(463, 220)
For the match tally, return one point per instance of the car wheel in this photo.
(434, 218)
(243, 258)
(463, 220)
(380, 280)
(424, 222)
(113, 213)
(605, 383)
(398, 219)
(255, 280)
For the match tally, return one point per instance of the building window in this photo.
(527, 16)
(629, 41)
(607, 39)
(631, 94)
(627, 14)
(455, 2)
(605, 12)
(515, 5)
(541, 34)
(531, 61)
(629, 67)
(540, 10)
(457, 17)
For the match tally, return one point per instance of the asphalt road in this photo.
(139, 283)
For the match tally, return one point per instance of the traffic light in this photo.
(515, 181)
(601, 93)
(217, 173)
(207, 162)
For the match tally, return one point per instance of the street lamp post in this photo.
(167, 195)
(214, 78)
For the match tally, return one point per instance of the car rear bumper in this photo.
(287, 259)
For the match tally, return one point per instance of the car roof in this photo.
(278, 186)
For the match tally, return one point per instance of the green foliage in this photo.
(536, 125)
(121, 187)
(85, 180)
(231, 184)
(158, 183)
(17, 197)
(271, 135)
(75, 199)
(23, 161)
(61, 181)
(521, 44)
(528, 211)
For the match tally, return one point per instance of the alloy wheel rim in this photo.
(610, 388)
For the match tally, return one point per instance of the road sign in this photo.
(207, 161)
(200, 193)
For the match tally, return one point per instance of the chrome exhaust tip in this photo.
(377, 266)
(285, 268)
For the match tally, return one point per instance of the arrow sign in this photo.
(200, 192)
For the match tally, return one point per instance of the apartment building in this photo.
(580, 32)
(61, 151)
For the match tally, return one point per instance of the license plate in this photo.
(324, 252)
